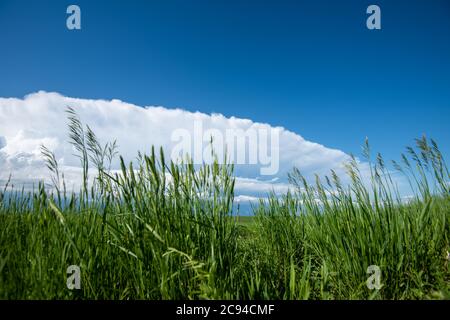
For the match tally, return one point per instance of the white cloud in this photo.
(260, 187)
(246, 199)
(40, 118)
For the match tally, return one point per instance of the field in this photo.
(158, 230)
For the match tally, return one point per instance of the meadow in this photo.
(159, 230)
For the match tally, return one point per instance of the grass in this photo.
(159, 230)
(246, 221)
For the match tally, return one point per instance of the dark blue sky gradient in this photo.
(310, 66)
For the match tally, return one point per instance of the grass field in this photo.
(157, 230)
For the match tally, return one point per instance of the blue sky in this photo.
(309, 66)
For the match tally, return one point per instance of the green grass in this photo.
(158, 230)
(246, 221)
